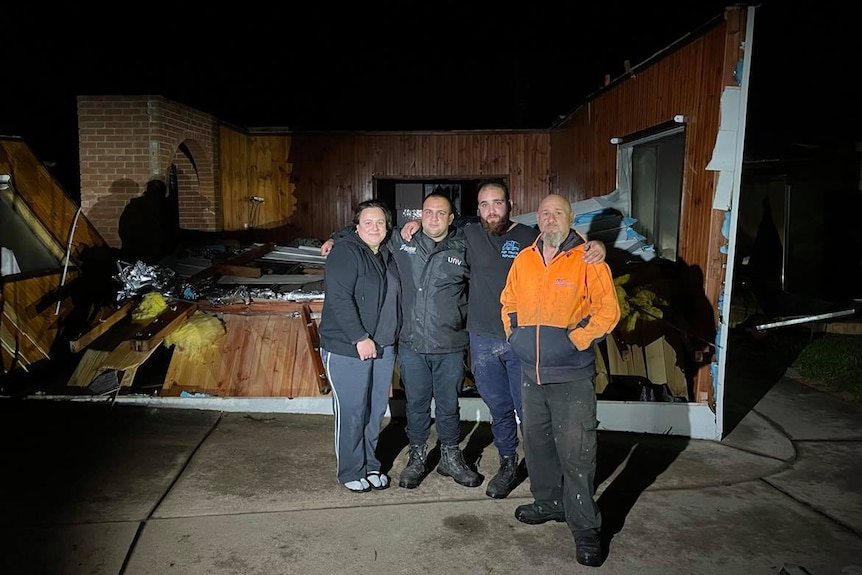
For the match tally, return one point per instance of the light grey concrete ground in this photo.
(98, 490)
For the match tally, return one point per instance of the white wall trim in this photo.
(693, 420)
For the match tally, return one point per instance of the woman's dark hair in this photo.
(373, 204)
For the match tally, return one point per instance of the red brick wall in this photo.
(125, 141)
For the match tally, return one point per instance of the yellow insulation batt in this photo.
(152, 305)
(640, 305)
(197, 334)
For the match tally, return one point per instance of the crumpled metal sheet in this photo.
(137, 276)
(248, 295)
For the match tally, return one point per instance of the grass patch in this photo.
(833, 363)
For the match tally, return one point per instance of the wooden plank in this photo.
(123, 358)
(297, 367)
(262, 367)
(194, 374)
(240, 271)
(313, 340)
(89, 366)
(129, 376)
(245, 257)
(90, 336)
(157, 330)
(263, 307)
(96, 361)
(291, 280)
(243, 358)
(29, 333)
(282, 359)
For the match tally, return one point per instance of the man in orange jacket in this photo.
(555, 307)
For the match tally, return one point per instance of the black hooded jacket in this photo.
(355, 283)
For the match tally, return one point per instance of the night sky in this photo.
(410, 67)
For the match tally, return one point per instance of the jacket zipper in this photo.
(539, 317)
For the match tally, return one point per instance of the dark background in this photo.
(405, 67)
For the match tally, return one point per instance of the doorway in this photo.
(404, 196)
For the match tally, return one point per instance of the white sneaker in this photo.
(378, 480)
(358, 486)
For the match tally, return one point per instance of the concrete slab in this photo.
(256, 493)
(75, 463)
(747, 528)
(81, 549)
(629, 461)
(744, 528)
(759, 435)
(826, 477)
(282, 462)
(804, 413)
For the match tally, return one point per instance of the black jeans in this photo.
(427, 375)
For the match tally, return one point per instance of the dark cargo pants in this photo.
(560, 440)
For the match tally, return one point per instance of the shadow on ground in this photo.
(755, 363)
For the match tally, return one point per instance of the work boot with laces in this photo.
(414, 472)
(588, 549)
(536, 513)
(452, 465)
(506, 479)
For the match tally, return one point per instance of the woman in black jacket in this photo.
(358, 331)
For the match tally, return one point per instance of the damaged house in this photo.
(655, 157)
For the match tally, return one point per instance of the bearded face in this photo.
(496, 226)
(494, 210)
(554, 238)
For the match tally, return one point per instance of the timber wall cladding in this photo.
(255, 166)
(262, 354)
(334, 172)
(28, 324)
(688, 81)
(52, 210)
(125, 141)
(29, 320)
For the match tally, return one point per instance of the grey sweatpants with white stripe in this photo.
(360, 396)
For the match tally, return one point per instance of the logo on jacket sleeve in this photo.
(408, 249)
(454, 260)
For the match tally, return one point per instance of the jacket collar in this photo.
(573, 240)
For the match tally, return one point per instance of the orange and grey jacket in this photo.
(553, 313)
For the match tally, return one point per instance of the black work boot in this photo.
(588, 549)
(452, 465)
(534, 514)
(414, 471)
(506, 479)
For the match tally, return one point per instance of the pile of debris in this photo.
(215, 310)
